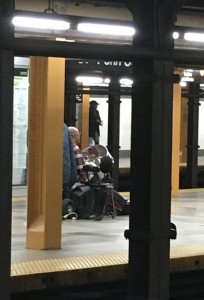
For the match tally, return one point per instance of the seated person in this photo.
(105, 166)
(79, 159)
(82, 175)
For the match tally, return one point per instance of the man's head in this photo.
(94, 103)
(75, 135)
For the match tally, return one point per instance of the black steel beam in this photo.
(29, 47)
(114, 126)
(70, 99)
(192, 4)
(99, 92)
(192, 137)
(6, 138)
(151, 148)
(150, 184)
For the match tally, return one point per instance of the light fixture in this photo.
(107, 80)
(183, 83)
(40, 23)
(86, 80)
(126, 81)
(176, 35)
(106, 29)
(194, 37)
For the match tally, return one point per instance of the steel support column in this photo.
(192, 137)
(151, 145)
(70, 98)
(114, 126)
(6, 138)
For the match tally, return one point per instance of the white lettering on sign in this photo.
(127, 63)
(115, 63)
(187, 74)
(188, 79)
(83, 62)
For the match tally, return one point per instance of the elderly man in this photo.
(75, 136)
(82, 176)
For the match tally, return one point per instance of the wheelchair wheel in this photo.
(68, 206)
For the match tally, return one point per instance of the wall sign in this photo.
(20, 126)
(100, 65)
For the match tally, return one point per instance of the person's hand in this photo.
(99, 122)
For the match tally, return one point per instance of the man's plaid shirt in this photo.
(80, 164)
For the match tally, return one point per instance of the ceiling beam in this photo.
(31, 47)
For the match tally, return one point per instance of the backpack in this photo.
(83, 198)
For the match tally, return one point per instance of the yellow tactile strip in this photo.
(184, 256)
(191, 190)
(72, 271)
(67, 264)
(187, 257)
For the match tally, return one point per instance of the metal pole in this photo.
(70, 98)
(114, 126)
(150, 197)
(6, 138)
(192, 137)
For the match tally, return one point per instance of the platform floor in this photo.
(88, 244)
(85, 237)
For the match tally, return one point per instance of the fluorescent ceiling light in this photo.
(107, 80)
(126, 81)
(183, 83)
(194, 37)
(89, 79)
(175, 35)
(106, 29)
(40, 23)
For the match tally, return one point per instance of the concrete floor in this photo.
(87, 237)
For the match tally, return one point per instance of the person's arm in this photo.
(98, 118)
(80, 164)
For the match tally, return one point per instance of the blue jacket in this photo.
(69, 164)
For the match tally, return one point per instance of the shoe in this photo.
(91, 217)
(72, 216)
(99, 218)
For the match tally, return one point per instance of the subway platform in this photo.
(96, 251)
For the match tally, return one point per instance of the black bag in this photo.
(83, 199)
(122, 205)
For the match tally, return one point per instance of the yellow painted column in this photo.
(85, 121)
(176, 139)
(45, 152)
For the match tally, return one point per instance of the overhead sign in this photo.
(100, 65)
(190, 75)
